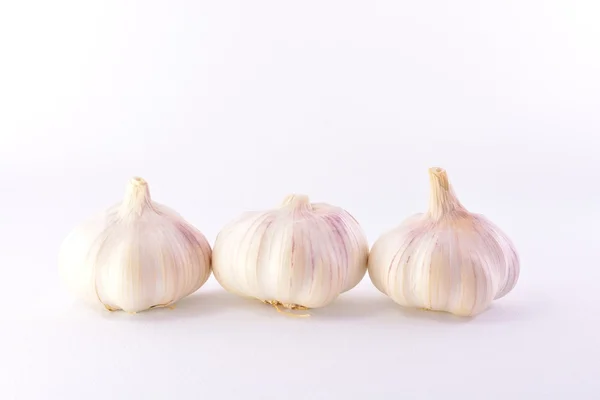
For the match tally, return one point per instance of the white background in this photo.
(228, 106)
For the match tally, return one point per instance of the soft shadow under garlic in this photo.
(381, 308)
(513, 312)
(432, 315)
(496, 313)
(198, 305)
(348, 307)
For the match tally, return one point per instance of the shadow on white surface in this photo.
(383, 308)
(359, 307)
(201, 304)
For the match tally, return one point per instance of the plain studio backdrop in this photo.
(228, 106)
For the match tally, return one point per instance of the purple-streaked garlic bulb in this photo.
(300, 255)
(137, 255)
(447, 259)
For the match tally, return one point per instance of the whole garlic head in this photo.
(446, 259)
(135, 256)
(300, 255)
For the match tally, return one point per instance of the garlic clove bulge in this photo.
(137, 255)
(447, 259)
(300, 255)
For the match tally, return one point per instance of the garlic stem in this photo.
(442, 200)
(297, 201)
(137, 197)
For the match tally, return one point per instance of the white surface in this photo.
(226, 106)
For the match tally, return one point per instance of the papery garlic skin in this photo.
(137, 255)
(300, 254)
(446, 259)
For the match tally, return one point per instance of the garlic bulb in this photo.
(300, 255)
(137, 255)
(446, 259)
